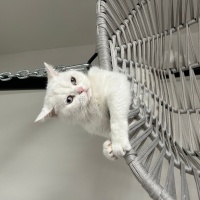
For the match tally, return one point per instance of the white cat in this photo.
(99, 101)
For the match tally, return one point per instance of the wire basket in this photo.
(156, 43)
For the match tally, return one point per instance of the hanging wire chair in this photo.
(156, 43)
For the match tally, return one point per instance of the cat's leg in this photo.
(107, 150)
(119, 108)
(119, 138)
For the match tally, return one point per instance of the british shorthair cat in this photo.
(98, 101)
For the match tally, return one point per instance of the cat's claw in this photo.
(119, 149)
(113, 151)
(107, 150)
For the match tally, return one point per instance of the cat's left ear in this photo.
(45, 114)
(51, 72)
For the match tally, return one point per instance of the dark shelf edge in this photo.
(31, 83)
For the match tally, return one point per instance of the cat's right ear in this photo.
(51, 72)
(45, 114)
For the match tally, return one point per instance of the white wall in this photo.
(54, 160)
(34, 59)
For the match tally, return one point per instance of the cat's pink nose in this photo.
(80, 90)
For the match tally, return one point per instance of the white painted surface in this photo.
(28, 25)
(35, 59)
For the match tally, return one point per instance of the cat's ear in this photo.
(45, 114)
(51, 72)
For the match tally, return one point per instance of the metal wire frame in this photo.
(151, 42)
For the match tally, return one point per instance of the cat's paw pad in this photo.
(120, 149)
(107, 150)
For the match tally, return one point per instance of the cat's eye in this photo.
(70, 99)
(73, 80)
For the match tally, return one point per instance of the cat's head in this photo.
(67, 94)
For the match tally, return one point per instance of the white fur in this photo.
(102, 109)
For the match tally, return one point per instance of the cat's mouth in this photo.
(87, 92)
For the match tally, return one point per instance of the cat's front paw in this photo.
(120, 148)
(107, 150)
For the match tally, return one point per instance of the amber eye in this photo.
(70, 99)
(73, 80)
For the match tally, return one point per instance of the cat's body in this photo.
(98, 101)
(94, 116)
